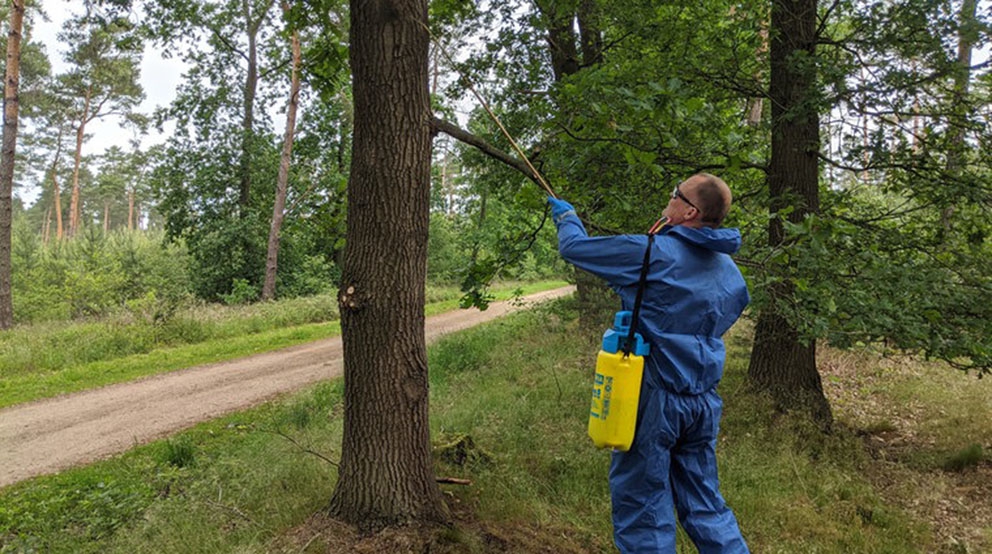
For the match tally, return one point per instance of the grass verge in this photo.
(45, 361)
(514, 394)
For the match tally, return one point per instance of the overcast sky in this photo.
(159, 79)
(159, 76)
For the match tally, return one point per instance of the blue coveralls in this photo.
(694, 293)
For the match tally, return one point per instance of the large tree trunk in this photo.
(561, 38)
(282, 180)
(9, 145)
(781, 363)
(386, 474)
(590, 32)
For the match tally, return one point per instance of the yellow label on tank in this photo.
(616, 391)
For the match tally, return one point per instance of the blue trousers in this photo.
(671, 467)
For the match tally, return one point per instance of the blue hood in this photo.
(725, 241)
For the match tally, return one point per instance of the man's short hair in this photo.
(712, 203)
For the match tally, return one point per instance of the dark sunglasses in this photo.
(676, 193)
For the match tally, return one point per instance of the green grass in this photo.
(518, 387)
(48, 360)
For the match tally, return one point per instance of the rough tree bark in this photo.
(386, 474)
(781, 362)
(9, 146)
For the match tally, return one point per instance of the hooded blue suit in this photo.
(694, 293)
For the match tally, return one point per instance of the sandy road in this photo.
(50, 435)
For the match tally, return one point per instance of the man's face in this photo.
(680, 206)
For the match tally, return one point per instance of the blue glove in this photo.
(559, 209)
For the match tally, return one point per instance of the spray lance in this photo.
(620, 362)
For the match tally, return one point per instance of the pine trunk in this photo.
(46, 226)
(781, 362)
(57, 198)
(386, 473)
(960, 107)
(56, 192)
(74, 200)
(9, 146)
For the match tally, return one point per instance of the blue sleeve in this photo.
(616, 259)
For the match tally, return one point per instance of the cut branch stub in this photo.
(348, 300)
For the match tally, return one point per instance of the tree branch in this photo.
(457, 133)
(278, 67)
(227, 43)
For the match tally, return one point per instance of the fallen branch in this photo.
(304, 448)
(453, 481)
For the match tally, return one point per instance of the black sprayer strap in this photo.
(629, 344)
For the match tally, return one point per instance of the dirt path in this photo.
(50, 435)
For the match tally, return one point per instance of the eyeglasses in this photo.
(676, 193)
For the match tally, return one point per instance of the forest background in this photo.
(185, 219)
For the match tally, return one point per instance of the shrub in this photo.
(242, 292)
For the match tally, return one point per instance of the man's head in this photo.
(702, 200)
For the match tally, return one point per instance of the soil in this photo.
(466, 534)
(50, 435)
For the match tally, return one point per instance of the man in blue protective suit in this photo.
(694, 293)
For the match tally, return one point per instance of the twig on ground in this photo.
(454, 481)
(305, 449)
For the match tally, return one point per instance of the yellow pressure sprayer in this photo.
(616, 388)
